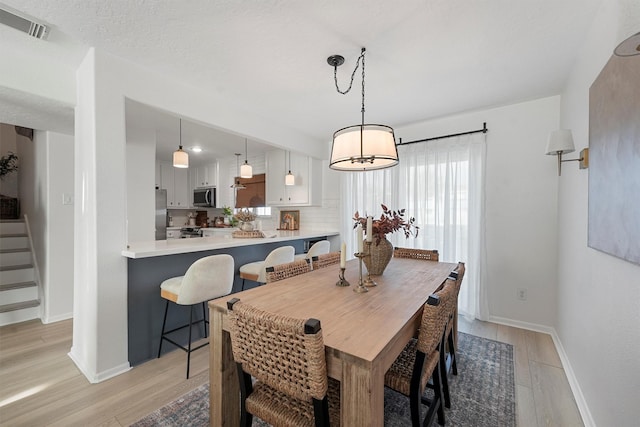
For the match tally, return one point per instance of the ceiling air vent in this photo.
(34, 29)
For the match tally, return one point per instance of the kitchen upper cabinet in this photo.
(205, 176)
(307, 190)
(176, 182)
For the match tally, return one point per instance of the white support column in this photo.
(100, 292)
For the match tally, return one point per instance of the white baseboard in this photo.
(57, 318)
(585, 413)
(98, 377)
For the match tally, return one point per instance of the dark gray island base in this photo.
(146, 307)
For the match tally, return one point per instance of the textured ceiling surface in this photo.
(425, 58)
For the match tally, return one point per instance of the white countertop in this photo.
(181, 246)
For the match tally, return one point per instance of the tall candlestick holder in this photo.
(341, 280)
(369, 282)
(360, 288)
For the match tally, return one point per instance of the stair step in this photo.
(5, 308)
(19, 285)
(15, 257)
(14, 241)
(16, 267)
(12, 274)
(14, 295)
(13, 250)
(12, 227)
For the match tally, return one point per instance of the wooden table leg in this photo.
(362, 394)
(224, 390)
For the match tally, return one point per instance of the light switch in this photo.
(67, 199)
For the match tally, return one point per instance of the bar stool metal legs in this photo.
(190, 325)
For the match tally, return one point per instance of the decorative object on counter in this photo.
(202, 220)
(241, 234)
(390, 221)
(246, 219)
(289, 220)
(361, 147)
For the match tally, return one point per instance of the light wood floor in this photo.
(40, 385)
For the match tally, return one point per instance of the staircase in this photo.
(18, 288)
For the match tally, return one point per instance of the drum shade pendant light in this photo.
(361, 147)
(246, 171)
(289, 179)
(180, 157)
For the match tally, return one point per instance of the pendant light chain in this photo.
(353, 74)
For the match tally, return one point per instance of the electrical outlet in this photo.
(522, 294)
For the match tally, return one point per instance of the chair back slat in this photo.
(326, 260)
(423, 254)
(290, 269)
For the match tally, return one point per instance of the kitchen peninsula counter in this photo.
(150, 263)
(181, 246)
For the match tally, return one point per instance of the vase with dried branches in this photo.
(389, 221)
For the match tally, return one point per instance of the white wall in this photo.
(521, 185)
(598, 295)
(58, 276)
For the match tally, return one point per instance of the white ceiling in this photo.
(425, 58)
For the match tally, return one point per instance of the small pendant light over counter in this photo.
(180, 157)
(246, 171)
(289, 179)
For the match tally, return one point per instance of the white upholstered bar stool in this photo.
(318, 248)
(207, 278)
(257, 271)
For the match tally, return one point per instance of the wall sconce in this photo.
(561, 142)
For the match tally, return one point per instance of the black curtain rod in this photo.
(483, 130)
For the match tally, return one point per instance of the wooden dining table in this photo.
(363, 332)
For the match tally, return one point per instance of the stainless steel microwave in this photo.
(204, 197)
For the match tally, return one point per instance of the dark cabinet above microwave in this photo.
(253, 195)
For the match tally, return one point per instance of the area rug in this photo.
(482, 394)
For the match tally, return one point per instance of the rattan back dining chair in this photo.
(286, 356)
(290, 269)
(325, 260)
(424, 254)
(422, 359)
(452, 342)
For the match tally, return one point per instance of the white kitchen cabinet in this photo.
(176, 182)
(205, 176)
(307, 190)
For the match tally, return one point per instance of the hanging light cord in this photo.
(353, 74)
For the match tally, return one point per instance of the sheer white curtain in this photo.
(441, 184)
